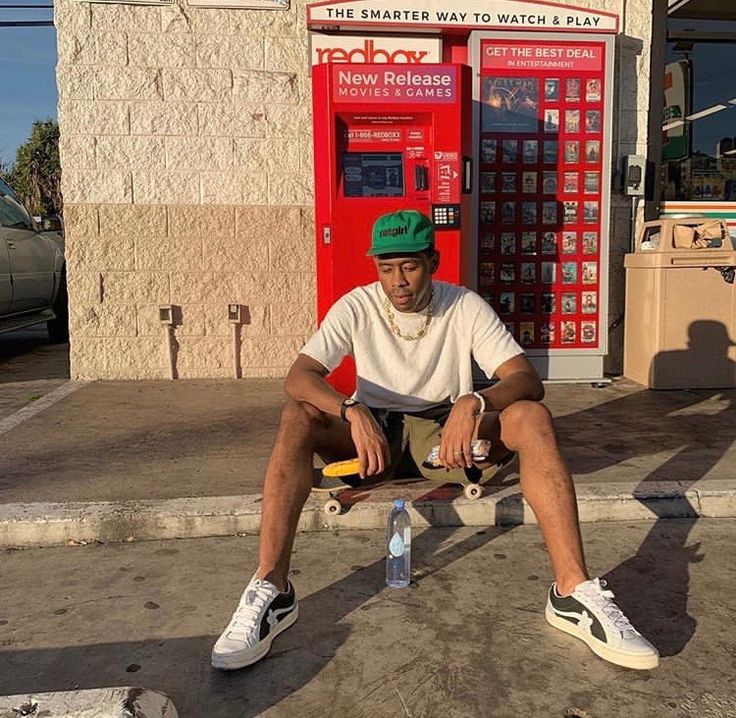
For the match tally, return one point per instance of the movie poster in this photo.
(549, 305)
(487, 241)
(568, 332)
(487, 150)
(549, 272)
(508, 243)
(527, 333)
(510, 104)
(487, 182)
(590, 242)
(569, 242)
(549, 183)
(529, 182)
(530, 151)
(549, 243)
(528, 303)
(550, 152)
(528, 242)
(569, 303)
(506, 303)
(587, 332)
(590, 304)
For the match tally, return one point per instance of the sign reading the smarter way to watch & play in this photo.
(476, 14)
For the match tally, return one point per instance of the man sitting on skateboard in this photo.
(413, 339)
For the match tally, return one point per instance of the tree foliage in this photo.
(36, 173)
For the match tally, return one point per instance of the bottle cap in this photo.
(399, 503)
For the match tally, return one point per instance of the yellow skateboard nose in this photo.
(342, 468)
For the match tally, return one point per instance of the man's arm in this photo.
(517, 380)
(306, 382)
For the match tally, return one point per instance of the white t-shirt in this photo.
(402, 375)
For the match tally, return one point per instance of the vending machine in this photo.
(543, 141)
(389, 137)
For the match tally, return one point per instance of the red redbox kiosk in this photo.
(388, 137)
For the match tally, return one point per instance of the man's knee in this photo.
(526, 422)
(301, 418)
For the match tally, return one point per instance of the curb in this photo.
(121, 702)
(50, 524)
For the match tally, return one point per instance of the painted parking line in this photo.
(31, 410)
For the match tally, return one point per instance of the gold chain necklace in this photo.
(395, 329)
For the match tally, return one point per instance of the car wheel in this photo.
(59, 326)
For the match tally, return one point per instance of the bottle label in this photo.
(396, 545)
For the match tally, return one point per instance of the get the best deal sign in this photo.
(467, 14)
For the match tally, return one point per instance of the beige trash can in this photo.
(680, 324)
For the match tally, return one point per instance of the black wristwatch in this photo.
(346, 404)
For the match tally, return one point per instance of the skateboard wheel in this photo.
(333, 507)
(473, 491)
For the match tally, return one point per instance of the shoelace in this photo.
(248, 612)
(603, 597)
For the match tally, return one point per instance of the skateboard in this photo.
(342, 476)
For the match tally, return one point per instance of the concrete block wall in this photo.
(187, 180)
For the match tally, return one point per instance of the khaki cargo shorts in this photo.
(411, 437)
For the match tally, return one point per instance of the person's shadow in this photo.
(652, 586)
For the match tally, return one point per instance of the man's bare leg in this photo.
(303, 431)
(268, 607)
(576, 605)
(526, 428)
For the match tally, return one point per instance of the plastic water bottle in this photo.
(398, 556)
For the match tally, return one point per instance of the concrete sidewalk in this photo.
(114, 460)
(468, 639)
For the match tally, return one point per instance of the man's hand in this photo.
(457, 434)
(369, 440)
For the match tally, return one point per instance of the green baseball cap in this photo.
(404, 231)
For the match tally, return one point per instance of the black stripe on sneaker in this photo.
(565, 605)
(280, 608)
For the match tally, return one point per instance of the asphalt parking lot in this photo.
(30, 366)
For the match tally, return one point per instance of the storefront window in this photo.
(699, 148)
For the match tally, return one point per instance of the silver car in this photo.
(32, 271)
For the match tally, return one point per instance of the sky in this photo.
(27, 75)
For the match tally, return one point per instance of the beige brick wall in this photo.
(187, 178)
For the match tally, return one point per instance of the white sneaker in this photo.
(590, 614)
(262, 613)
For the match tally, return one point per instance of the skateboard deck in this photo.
(342, 476)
